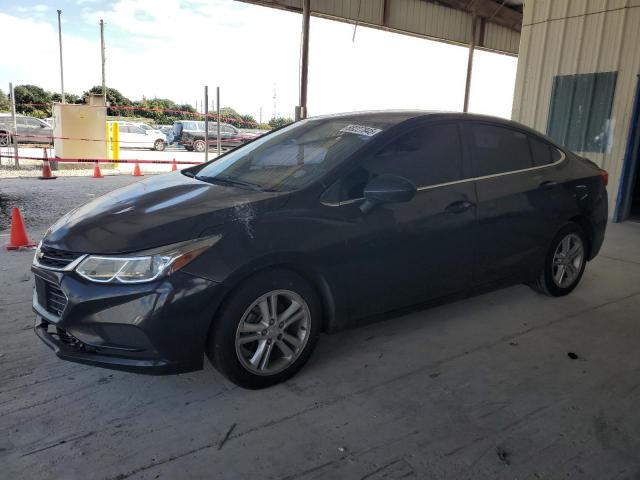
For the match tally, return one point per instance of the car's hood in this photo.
(155, 212)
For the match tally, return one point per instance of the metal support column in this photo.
(16, 160)
(206, 123)
(104, 88)
(472, 47)
(219, 144)
(301, 109)
(60, 47)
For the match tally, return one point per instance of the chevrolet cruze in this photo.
(312, 228)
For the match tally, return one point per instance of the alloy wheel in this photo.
(273, 332)
(567, 260)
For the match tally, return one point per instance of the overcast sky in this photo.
(172, 48)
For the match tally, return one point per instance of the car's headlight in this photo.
(143, 266)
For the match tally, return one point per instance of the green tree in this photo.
(5, 104)
(32, 100)
(280, 122)
(114, 97)
(68, 98)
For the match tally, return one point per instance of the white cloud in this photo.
(174, 50)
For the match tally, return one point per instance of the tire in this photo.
(198, 146)
(159, 145)
(254, 352)
(552, 281)
(5, 139)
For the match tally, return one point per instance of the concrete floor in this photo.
(479, 389)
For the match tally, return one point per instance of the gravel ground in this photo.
(42, 202)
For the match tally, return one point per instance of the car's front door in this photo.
(519, 201)
(404, 253)
(139, 137)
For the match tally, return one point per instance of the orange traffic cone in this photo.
(18, 237)
(96, 171)
(46, 168)
(174, 165)
(136, 170)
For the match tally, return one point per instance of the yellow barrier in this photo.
(113, 142)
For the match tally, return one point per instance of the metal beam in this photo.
(472, 46)
(301, 110)
(489, 9)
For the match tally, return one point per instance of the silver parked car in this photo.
(29, 130)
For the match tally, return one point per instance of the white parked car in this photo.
(133, 136)
(147, 127)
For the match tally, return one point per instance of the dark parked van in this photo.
(190, 134)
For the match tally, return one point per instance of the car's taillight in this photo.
(604, 175)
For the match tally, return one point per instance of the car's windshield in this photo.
(294, 156)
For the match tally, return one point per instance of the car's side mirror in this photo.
(387, 189)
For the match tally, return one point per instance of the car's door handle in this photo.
(548, 185)
(459, 207)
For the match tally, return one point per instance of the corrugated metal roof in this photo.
(436, 20)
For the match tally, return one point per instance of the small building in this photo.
(577, 81)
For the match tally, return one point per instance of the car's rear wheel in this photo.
(564, 263)
(159, 145)
(198, 146)
(266, 330)
(5, 139)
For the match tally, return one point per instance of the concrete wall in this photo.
(80, 122)
(563, 37)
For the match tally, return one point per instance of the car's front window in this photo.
(293, 156)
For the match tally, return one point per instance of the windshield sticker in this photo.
(361, 130)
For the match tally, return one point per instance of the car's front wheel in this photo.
(198, 146)
(564, 263)
(159, 145)
(266, 330)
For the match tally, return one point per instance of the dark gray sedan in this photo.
(314, 227)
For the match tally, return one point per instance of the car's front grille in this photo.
(51, 257)
(56, 300)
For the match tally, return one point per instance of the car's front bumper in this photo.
(156, 328)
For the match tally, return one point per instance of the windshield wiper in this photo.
(233, 181)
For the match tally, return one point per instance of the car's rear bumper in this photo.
(155, 328)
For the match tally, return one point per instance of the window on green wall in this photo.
(580, 113)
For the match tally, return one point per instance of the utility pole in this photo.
(206, 123)
(260, 115)
(275, 111)
(218, 106)
(16, 161)
(104, 88)
(60, 45)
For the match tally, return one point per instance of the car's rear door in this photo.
(404, 253)
(519, 201)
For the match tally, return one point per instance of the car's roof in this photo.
(391, 117)
(401, 115)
